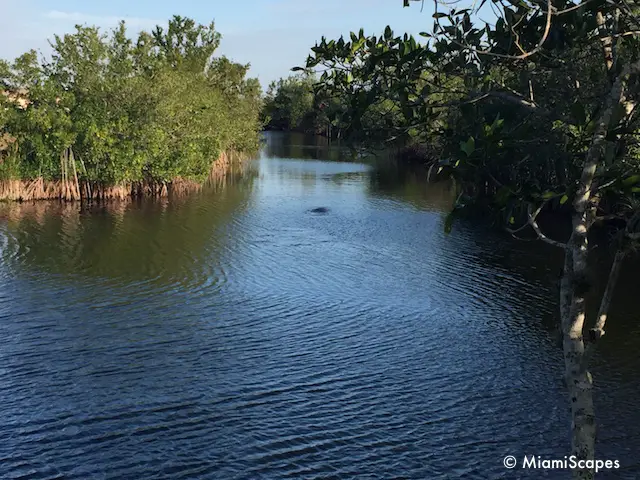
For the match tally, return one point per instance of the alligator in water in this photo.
(319, 210)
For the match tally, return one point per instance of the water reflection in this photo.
(145, 239)
(306, 147)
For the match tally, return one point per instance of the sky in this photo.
(272, 35)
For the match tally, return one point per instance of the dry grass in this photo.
(6, 141)
(70, 188)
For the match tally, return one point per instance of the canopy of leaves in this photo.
(511, 107)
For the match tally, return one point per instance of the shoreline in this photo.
(73, 189)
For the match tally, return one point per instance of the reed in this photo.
(72, 187)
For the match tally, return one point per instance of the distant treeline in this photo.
(107, 115)
(291, 105)
(300, 103)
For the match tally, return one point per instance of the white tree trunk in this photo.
(573, 287)
(578, 379)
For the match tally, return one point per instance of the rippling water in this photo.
(238, 334)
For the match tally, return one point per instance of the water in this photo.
(236, 334)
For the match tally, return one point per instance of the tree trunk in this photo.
(598, 331)
(573, 314)
(607, 42)
(574, 287)
(578, 379)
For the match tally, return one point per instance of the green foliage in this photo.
(511, 108)
(289, 104)
(468, 147)
(296, 103)
(153, 109)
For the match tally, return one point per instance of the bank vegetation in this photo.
(108, 116)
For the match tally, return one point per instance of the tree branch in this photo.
(607, 42)
(547, 29)
(571, 9)
(543, 237)
(597, 332)
(532, 222)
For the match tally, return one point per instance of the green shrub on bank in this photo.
(153, 109)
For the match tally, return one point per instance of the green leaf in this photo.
(564, 199)
(519, 3)
(510, 16)
(297, 69)
(548, 195)
(512, 220)
(497, 123)
(466, 22)
(469, 146)
(632, 180)
(439, 15)
(358, 45)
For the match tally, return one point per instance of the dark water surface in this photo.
(237, 334)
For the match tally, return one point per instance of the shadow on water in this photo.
(312, 321)
(409, 185)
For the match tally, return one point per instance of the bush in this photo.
(152, 110)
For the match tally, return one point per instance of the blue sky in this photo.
(272, 35)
